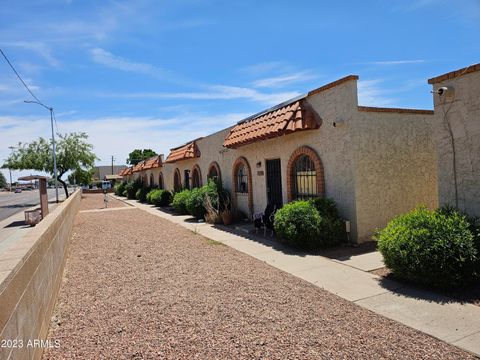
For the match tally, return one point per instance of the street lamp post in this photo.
(53, 143)
(9, 169)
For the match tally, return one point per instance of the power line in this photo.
(19, 77)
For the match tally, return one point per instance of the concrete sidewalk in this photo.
(14, 227)
(444, 318)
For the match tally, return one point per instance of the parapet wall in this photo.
(29, 282)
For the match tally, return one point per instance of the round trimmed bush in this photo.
(131, 189)
(332, 227)
(194, 203)
(298, 223)
(161, 197)
(141, 194)
(180, 200)
(149, 196)
(120, 189)
(430, 247)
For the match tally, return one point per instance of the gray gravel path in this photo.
(139, 287)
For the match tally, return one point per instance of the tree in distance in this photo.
(74, 153)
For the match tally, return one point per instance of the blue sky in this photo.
(155, 74)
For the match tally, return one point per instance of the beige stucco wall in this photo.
(395, 166)
(331, 144)
(462, 111)
(30, 276)
(376, 166)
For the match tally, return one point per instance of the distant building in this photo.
(102, 171)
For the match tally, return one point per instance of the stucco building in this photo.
(375, 163)
(457, 137)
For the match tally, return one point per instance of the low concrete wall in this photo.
(30, 276)
(96, 191)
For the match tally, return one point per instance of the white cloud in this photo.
(370, 93)
(267, 67)
(396, 62)
(106, 58)
(215, 92)
(282, 80)
(38, 47)
(117, 136)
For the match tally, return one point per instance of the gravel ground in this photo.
(139, 287)
(95, 201)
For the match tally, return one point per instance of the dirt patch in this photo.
(140, 287)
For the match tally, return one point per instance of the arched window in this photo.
(196, 177)
(160, 181)
(214, 172)
(152, 180)
(305, 178)
(241, 177)
(177, 182)
(305, 174)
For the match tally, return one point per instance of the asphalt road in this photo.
(11, 203)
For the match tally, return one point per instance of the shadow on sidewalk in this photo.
(466, 295)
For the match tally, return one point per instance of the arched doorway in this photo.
(242, 186)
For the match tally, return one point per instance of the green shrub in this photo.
(430, 247)
(332, 227)
(473, 223)
(132, 188)
(194, 203)
(298, 223)
(161, 197)
(141, 194)
(120, 189)
(179, 201)
(149, 196)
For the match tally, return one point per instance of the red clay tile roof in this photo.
(455, 74)
(295, 116)
(187, 151)
(126, 171)
(139, 166)
(153, 163)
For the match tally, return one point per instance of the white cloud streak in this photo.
(283, 80)
(106, 58)
(215, 92)
(37, 47)
(118, 135)
(396, 62)
(370, 93)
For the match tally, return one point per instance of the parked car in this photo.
(18, 190)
